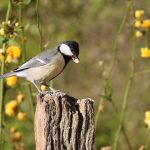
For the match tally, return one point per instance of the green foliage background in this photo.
(94, 24)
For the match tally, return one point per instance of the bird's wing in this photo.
(39, 60)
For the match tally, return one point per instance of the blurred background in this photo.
(94, 24)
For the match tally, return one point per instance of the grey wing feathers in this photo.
(39, 60)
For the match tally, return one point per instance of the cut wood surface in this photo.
(64, 123)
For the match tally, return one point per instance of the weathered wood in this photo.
(64, 123)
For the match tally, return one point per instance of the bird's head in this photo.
(70, 50)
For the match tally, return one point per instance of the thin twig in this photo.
(126, 95)
(31, 101)
(39, 25)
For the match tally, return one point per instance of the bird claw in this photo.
(43, 93)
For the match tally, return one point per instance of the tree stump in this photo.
(64, 123)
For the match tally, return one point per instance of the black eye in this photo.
(72, 50)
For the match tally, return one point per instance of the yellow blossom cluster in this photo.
(145, 52)
(9, 28)
(145, 24)
(11, 81)
(13, 53)
(139, 13)
(11, 108)
(147, 118)
(16, 137)
(20, 97)
(19, 146)
(21, 116)
(1, 56)
(142, 25)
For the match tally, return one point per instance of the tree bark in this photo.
(64, 123)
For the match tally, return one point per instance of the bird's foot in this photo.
(43, 93)
(51, 91)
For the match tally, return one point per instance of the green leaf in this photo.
(1, 40)
(12, 42)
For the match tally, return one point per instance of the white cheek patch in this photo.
(65, 49)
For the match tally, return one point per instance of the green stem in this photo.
(126, 95)
(8, 11)
(2, 82)
(22, 30)
(107, 78)
(31, 101)
(38, 24)
(147, 143)
(1, 103)
(115, 50)
(123, 128)
(97, 116)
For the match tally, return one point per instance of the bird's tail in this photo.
(8, 75)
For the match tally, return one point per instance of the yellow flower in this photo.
(8, 22)
(8, 59)
(10, 112)
(141, 147)
(16, 137)
(139, 13)
(20, 97)
(146, 24)
(2, 32)
(137, 24)
(13, 129)
(101, 108)
(43, 87)
(21, 116)
(145, 52)
(19, 146)
(101, 63)
(147, 118)
(11, 81)
(12, 104)
(138, 34)
(1, 55)
(16, 24)
(11, 108)
(14, 51)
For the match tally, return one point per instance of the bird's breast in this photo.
(46, 72)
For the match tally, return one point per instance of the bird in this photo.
(47, 65)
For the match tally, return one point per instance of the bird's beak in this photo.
(75, 59)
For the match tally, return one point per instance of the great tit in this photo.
(47, 65)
